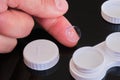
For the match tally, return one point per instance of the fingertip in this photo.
(8, 44)
(71, 35)
(61, 29)
(61, 5)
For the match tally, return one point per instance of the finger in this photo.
(61, 30)
(15, 24)
(41, 8)
(7, 44)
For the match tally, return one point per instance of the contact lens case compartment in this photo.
(92, 63)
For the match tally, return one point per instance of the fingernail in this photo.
(61, 4)
(72, 34)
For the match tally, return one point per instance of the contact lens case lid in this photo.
(41, 54)
(110, 11)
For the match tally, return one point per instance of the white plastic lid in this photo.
(110, 11)
(113, 42)
(41, 54)
(88, 59)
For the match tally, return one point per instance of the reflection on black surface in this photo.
(44, 72)
(112, 27)
(20, 71)
(7, 65)
(109, 27)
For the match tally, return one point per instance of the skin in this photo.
(16, 21)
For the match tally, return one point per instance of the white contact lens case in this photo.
(110, 11)
(92, 63)
(41, 54)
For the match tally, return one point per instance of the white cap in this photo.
(113, 42)
(41, 54)
(110, 11)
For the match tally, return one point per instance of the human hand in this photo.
(16, 21)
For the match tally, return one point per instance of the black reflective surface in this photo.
(86, 15)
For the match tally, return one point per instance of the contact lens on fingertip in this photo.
(77, 29)
(72, 34)
(41, 55)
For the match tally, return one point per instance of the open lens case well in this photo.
(92, 63)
